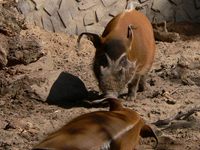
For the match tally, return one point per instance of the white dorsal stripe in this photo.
(106, 145)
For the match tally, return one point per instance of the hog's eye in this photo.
(103, 61)
(123, 62)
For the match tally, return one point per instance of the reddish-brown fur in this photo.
(117, 129)
(128, 33)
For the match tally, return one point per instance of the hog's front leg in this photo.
(133, 87)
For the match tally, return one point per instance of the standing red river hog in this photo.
(124, 54)
(117, 129)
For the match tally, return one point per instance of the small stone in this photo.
(171, 101)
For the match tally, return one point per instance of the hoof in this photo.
(131, 98)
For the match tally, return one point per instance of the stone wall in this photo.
(76, 16)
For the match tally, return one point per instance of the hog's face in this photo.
(116, 75)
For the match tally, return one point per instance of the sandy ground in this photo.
(173, 86)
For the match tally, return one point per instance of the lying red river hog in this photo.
(124, 54)
(117, 129)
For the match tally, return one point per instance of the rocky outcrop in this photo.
(16, 48)
(77, 16)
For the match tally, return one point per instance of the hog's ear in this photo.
(147, 131)
(130, 33)
(94, 38)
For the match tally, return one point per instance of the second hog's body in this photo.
(124, 53)
(117, 129)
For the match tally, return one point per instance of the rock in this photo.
(67, 88)
(65, 16)
(176, 2)
(105, 20)
(107, 3)
(3, 51)
(86, 5)
(71, 28)
(181, 15)
(89, 19)
(25, 6)
(37, 19)
(113, 12)
(11, 22)
(157, 17)
(99, 13)
(38, 3)
(80, 28)
(46, 21)
(189, 8)
(24, 49)
(51, 6)
(166, 36)
(95, 29)
(165, 8)
(142, 1)
(171, 101)
(197, 4)
(29, 18)
(68, 5)
(158, 5)
(41, 91)
(3, 123)
(132, 4)
(57, 24)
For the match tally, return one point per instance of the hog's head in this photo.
(112, 66)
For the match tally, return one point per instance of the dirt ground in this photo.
(173, 86)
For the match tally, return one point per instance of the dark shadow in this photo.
(70, 91)
(185, 28)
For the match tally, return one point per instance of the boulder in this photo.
(23, 50)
